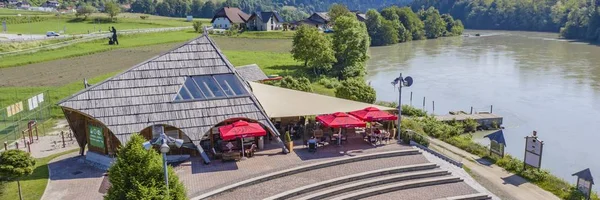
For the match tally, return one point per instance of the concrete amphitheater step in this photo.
(398, 186)
(374, 182)
(478, 196)
(305, 168)
(346, 179)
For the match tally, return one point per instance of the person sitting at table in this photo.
(312, 144)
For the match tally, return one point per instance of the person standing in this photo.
(114, 36)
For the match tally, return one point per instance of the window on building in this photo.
(210, 87)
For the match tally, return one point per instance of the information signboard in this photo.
(96, 136)
(533, 151)
(584, 186)
(497, 148)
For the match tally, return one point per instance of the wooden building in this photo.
(189, 89)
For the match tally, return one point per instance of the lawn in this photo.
(97, 46)
(15, 46)
(72, 25)
(264, 35)
(34, 185)
(4, 11)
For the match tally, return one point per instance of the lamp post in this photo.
(401, 81)
(163, 142)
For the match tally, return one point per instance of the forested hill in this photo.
(289, 9)
(574, 19)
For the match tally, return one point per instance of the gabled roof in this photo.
(585, 174)
(265, 16)
(144, 95)
(497, 136)
(323, 15)
(251, 73)
(235, 15)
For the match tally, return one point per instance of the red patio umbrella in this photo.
(241, 129)
(340, 120)
(373, 114)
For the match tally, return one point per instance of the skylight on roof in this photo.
(210, 87)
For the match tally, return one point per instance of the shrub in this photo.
(22, 19)
(356, 90)
(329, 82)
(212, 32)
(411, 111)
(470, 125)
(387, 104)
(144, 17)
(198, 27)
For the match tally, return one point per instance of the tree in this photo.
(164, 9)
(338, 10)
(381, 31)
(409, 20)
(350, 44)
(208, 10)
(112, 9)
(85, 11)
(313, 48)
(138, 174)
(143, 6)
(434, 24)
(15, 164)
(356, 90)
(197, 8)
(198, 26)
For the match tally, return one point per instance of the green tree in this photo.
(434, 24)
(197, 8)
(356, 90)
(338, 10)
(313, 48)
(138, 174)
(409, 20)
(85, 11)
(208, 9)
(381, 31)
(198, 26)
(112, 9)
(15, 164)
(143, 6)
(350, 44)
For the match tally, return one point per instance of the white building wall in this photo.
(222, 23)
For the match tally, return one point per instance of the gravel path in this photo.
(272, 187)
(429, 192)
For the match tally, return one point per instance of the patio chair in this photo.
(251, 150)
(333, 140)
(386, 137)
(344, 139)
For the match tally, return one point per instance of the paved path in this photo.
(511, 186)
(70, 178)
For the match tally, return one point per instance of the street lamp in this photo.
(163, 140)
(401, 82)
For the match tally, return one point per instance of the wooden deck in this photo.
(485, 119)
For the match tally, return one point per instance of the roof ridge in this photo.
(130, 69)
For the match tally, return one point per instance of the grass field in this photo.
(4, 11)
(264, 35)
(98, 21)
(97, 46)
(34, 185)
(15, 46)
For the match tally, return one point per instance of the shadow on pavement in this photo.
(514, 180)
(73, 168)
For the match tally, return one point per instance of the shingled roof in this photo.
(144, 95)
(251, 73)
(235, 15)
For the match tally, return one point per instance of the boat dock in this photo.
(486, 119)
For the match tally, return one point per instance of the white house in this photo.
(264, 21)
(228, 16)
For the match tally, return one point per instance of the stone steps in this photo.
(478, 196)
(397, 186)
(346, 179)
(305, 168)
(374, 183)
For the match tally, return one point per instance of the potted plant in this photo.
(288, 141)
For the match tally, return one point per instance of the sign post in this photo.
(585, 182)
(497, 143)
(533, 151)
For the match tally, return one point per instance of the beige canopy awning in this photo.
(283, 102)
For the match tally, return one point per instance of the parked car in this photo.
(52, 34)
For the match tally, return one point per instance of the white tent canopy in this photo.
(282, 102)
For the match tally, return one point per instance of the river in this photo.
(534, 80)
